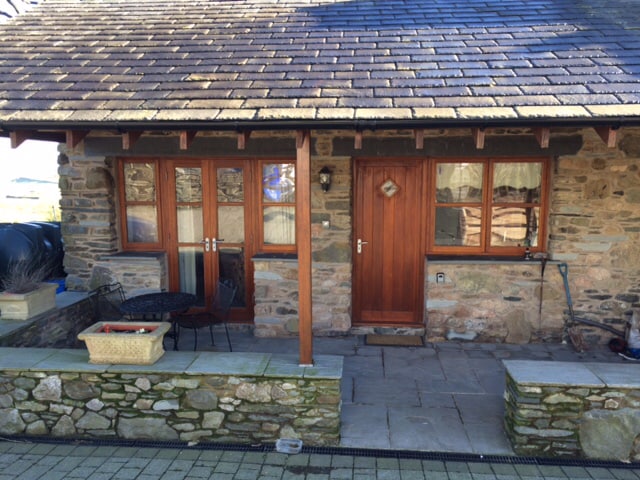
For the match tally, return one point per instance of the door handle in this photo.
(207, 245)
(360, 244)
(215, 242)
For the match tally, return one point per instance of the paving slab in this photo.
(616, 375)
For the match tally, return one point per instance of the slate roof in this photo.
(320, 62)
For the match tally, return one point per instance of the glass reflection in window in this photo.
(514, 226)
(139, 182)
(279, 225)
(278, 183)
(142, 224)
(459, 182)
(517, 182)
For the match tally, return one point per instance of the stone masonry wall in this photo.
(57, 328)
(169, 406)
(576, 421)
(494, 302)
(88, 211)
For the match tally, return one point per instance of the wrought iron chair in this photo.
(106, 302)
(218, 314)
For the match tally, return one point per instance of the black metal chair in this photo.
(218, 314)
(106, 301)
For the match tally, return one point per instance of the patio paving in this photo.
(443, 397)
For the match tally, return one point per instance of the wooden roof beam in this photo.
(542, 136)
(74, 137)
(186, 138)
(419, 136)
(608, 135)
(18, 137)
(357, 141)
(243, 138)
(129, 139)
(478, 137)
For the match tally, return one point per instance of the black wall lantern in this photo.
(325, 179)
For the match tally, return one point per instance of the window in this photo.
(492, 207)
(277, 206)
(141, 203)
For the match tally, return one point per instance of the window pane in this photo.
(190, 224)
(279, 225)
(230, 185)
(188, 185)
(517, 182)
(459, 182)
(142, 224)
(231, 224)
(514, 227)
(139, 182)
(278, 183)
(191, 266)
(457, 226)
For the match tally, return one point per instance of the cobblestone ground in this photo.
(30, 461)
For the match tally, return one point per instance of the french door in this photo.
(206, 230)
(388, 259)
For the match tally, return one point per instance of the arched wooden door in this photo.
(387, 252)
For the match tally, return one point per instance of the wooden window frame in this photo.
(123, 203)
(261, 204)
(486, 205)
(254, 204)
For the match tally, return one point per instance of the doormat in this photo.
(394, 340)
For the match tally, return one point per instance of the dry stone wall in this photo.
(564, 409)
(144, 403)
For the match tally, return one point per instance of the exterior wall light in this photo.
(325, 179)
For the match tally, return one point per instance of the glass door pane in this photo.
(190, 228)
(231, 230)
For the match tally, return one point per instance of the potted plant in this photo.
(132, 343)
(23, 291)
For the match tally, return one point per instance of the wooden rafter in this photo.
(186, 138)
(542, 136)
(357, 141)
(18, 137)
(243, 138)
(419, 135)
(74, 137)
(303, 236)
(129, 139)
(608, 135)
(478, 137)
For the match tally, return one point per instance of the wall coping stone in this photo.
(590, 374)
(189, 363)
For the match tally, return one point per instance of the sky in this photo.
(32, 159)
(28, 201)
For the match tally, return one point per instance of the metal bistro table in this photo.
(157, 305)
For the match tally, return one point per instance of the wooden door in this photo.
(207, 226)
(388, 259)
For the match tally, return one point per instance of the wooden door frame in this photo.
(419, 307)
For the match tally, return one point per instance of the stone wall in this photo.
(489, 301)
(563, 409)
(57, 328)
(138, 273)
(171, 402)
(88, 211)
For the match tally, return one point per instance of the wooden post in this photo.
(303, 241)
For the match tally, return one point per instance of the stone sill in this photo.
(275, 257)
(592, 374)
(438, 260)
(189, 363)
(137, 256)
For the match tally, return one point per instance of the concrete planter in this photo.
(23, 306)
(123, 343)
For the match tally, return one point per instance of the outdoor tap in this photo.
(527, 254)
